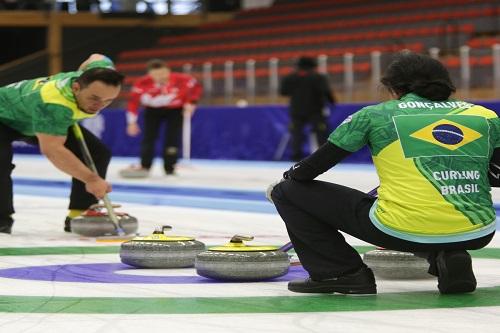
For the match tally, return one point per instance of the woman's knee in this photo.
(285, 186)
(277, 193)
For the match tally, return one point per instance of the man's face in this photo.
(94, 97)
(159, 75)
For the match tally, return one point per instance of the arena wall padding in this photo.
(225, 132)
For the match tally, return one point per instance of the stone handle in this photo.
(240, 238)
(162, 230)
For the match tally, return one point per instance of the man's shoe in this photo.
(67, 224)
(455, 274)
(169, 170)
(361, 282)
(5, 229)
(6, 225)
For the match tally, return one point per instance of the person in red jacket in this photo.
(166, 96)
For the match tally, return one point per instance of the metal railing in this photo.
(349, 86)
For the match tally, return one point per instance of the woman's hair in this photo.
(418, 74)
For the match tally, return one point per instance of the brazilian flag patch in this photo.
(442, 135)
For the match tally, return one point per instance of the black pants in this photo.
(298, 122)
(314, 212)
(153, 118)
(79, 197)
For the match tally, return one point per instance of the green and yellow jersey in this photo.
(44, 105)
(432, 161)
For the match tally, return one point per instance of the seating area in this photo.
(484, 42)
(329, 11)
(309, 42)
(331, 52)
(344, 24)
(288, 30)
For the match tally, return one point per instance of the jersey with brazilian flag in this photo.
(44, 105)
(432, 161)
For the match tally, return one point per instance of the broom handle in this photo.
(90, 163)
(186, 136)
(288, 246)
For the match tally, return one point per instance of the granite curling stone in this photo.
(237, 261)
(94, 222)
(161, 251)
(393, 265)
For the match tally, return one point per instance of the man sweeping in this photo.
(41, 111)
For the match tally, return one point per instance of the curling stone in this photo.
(393, 265)
(237, 261)
(94, 222)
(161, 251)
(134, 172)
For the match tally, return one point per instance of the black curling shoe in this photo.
(6, 229)
(361, 282)
(455, 274)
(67, 224)
(6, 225)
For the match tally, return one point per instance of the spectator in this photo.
(309, 94)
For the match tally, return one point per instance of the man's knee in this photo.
(6, 169)
(106, 152)
(102, 154)
(171, 151)
(320, 126)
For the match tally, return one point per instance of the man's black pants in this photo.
(314, 212)
(153, 118)
(298, 122)
(79, 197)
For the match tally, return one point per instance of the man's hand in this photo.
(270, 189)
(189, 109)
(133, 129)
(97, 187)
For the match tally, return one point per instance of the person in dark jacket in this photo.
(309, 93)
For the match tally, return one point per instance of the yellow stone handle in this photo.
(240, 239)
(162, 229)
